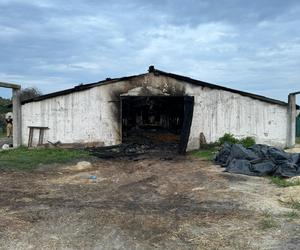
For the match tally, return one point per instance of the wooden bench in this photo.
(41, 135)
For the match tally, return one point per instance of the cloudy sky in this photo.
(249, 45)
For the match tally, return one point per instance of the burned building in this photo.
(157, 105)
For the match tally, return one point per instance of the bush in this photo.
(247, 141)
(230, 139)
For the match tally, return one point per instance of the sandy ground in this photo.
(144, 203)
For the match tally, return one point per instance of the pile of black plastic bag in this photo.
(258, 160)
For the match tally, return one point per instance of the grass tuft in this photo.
(28, 159)
(268, 221)
(281, 182)
(291, 204)
(205, 154)
(291, 215)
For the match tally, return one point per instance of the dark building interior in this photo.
(152, 120)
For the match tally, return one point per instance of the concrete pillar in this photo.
(17, 136)
(291, 140)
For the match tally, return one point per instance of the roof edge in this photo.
(78, 88)
(215, 86)
(87, 86)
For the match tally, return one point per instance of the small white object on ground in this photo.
(83, 165)
(5, 146)
(294, 179)
(198, 188)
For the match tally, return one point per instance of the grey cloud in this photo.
(250, 45)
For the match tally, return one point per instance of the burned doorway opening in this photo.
(157, 122)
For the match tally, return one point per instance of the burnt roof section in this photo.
(78, 88)
(82, 87)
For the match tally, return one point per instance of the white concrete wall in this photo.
(217, 112)
(80, 117)
(92, 115)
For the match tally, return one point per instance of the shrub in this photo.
(247, 141)
(229, 138)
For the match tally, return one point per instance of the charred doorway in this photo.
(161, 123)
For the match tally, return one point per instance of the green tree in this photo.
(29, 93)
(4, 108)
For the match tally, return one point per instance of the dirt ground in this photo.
(148, 202)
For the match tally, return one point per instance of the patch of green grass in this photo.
(281, 182)
(295, 204)
(291, 215)
(28, 159)
(268, 221)
(292, 204)
(205, 154)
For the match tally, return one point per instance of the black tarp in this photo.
(258, 160)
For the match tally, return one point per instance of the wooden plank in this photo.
(41, 136)
(38, 127)
(30, 137)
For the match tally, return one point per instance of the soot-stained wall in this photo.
(93, 115)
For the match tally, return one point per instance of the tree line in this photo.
(5, 103)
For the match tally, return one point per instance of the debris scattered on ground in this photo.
(295, 179)
(184, 203)
(293, 150)
(82, 165)
(134, 149)
(258, 160)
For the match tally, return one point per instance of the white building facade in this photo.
(91, 114)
